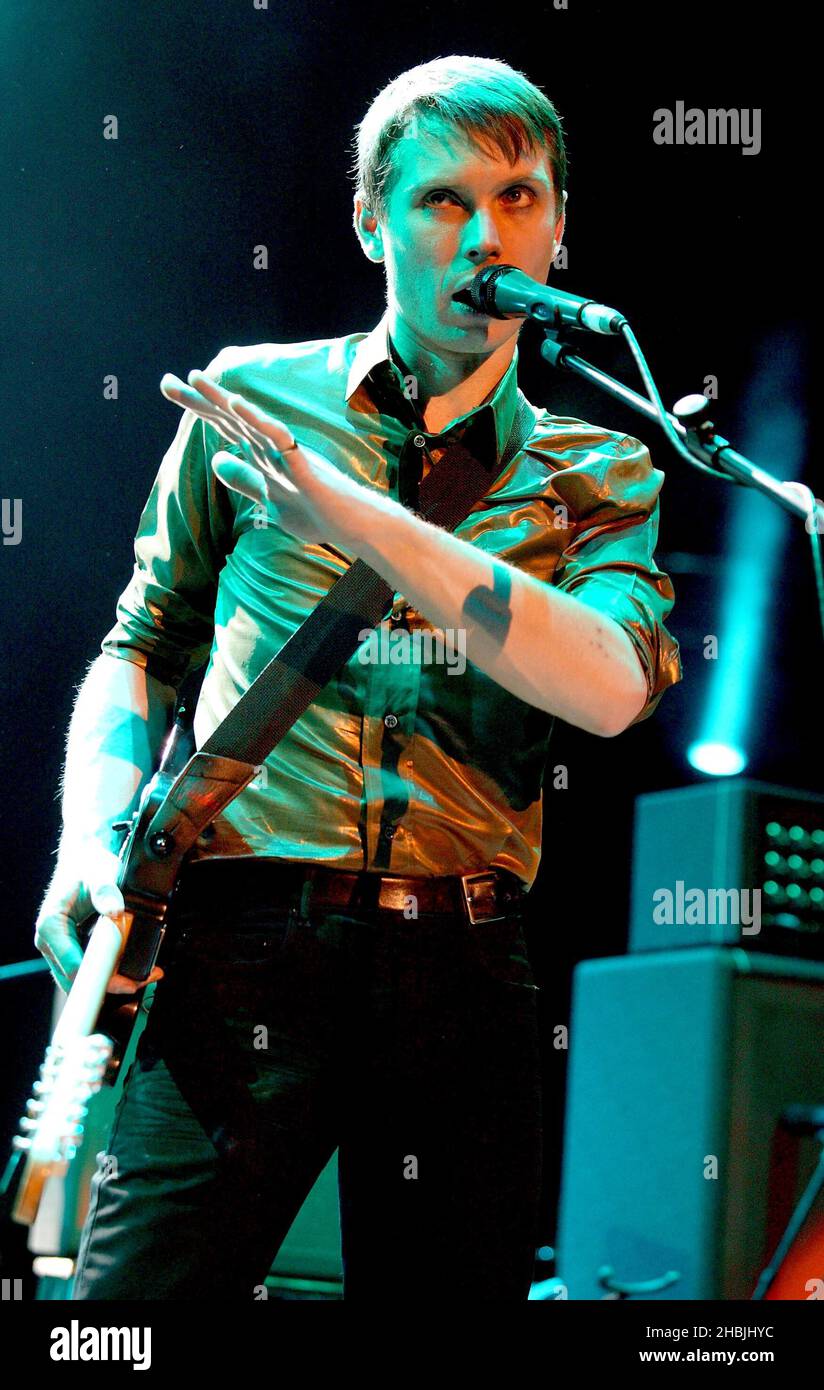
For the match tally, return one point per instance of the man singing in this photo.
(346, 964)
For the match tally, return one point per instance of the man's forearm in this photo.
(541, 645)
(116, 731)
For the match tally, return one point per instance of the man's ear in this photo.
(558, 234)
(368, 230)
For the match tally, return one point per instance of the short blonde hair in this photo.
(491, 103)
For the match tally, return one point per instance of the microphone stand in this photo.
(699, 442)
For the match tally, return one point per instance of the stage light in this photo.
(717, 759)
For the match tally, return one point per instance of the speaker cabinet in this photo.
(681, 1063)
(742, 862)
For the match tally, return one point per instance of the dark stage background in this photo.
(134, 257)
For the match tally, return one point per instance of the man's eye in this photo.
(520, 188)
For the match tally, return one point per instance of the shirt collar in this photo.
(372, 352)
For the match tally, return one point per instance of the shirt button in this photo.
(391, 721)
(419, 441)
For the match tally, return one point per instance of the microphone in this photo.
(504, 292)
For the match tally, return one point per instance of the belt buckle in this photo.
(469, 899)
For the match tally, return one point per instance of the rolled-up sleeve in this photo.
(611, 496)
(165, 615)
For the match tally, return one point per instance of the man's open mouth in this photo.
(461, 299)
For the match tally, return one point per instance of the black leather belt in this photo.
(488, 896)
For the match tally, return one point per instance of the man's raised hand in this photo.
(311, 499)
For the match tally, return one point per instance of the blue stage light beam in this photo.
(774, 435)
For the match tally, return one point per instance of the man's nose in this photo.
(481, 235)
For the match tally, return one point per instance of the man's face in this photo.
(452, 211)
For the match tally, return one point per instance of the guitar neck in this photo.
(88, 991)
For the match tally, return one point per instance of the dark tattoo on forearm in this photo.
(490, 607)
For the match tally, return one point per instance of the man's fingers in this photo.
(176, 390)
(121, 984)
(261, 455)
(202, 395)
(236, 409)
(64, 955)
(258, 435)
(218, 395)
(106, 898)
(241, 477)
(188, 398)
(64, 962)
(254, 451)
(236, 417)
(234, 429)
(59, 948)
(258, 420)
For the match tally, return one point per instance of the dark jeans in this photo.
(273, 1039)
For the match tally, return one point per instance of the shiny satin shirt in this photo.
(412, 761)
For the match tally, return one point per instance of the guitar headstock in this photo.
(52, 1127)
